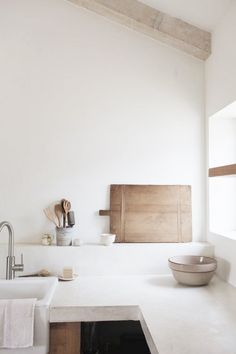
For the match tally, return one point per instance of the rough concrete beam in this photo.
(154, 23)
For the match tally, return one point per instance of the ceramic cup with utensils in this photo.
(64, 236)
(107, 239)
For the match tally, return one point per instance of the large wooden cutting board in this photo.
(150, 213)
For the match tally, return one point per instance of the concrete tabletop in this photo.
(176, 319)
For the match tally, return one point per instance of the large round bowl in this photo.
(192, 270)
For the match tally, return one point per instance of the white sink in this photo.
(42, 289)
(22, 288)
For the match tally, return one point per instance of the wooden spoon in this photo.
(50, 215)
(59, 213)
(66, 206)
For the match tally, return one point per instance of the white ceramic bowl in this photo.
(107, 239)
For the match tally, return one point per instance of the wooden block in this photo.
(65, 338)
(151, 213)
(222, 170)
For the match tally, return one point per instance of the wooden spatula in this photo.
(59, 213)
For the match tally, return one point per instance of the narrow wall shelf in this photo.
(226, 170)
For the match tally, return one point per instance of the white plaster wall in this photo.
(222, 190)
(118, 259)
(220, 67)
(86, 103)
(221, 91)
(222, 141)
(222, 205)
(225, 249)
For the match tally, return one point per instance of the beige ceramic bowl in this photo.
(192, 270)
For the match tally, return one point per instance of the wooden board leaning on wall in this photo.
(150, 213)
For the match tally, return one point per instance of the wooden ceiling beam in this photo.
(156, 24)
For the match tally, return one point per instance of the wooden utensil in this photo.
(63, 212)
(59, 213)
(51, 216)
(66, 206)
(41, 273)
(71, 218)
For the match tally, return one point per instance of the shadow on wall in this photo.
(223, 268)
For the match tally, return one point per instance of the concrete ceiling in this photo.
(201, 13)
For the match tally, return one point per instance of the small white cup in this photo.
(107, 239)
(77, 242)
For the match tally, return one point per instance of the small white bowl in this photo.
(107, 239)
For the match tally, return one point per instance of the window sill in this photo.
(231, 234)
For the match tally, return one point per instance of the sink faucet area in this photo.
(11, 266)
(15, 289)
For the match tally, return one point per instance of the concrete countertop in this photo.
(175, 319)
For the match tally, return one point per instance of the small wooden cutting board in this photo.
(150, 213)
